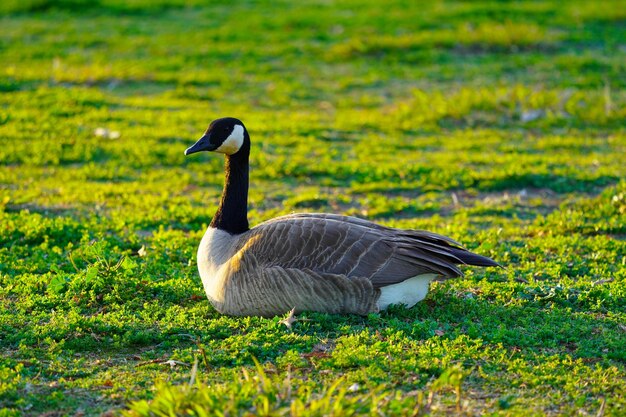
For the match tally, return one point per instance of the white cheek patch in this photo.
(233, 142)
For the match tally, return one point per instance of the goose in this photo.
(310, 261)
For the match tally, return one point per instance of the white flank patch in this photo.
(233, 142)
(407, 292)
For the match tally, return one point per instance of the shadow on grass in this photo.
(534, 328)
(560, 184)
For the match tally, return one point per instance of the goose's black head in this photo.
(227, 135)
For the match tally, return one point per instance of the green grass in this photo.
(500, 124)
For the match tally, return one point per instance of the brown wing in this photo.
(351, 247)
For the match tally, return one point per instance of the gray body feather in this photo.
(318, 262)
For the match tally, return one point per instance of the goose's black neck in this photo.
(232, 213)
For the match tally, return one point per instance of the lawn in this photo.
(499, 124)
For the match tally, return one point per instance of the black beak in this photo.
(203, 144)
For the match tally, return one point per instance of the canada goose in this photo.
(310, 261)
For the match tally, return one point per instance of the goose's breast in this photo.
(216, 248)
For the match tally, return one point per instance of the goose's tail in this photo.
(471, 258)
